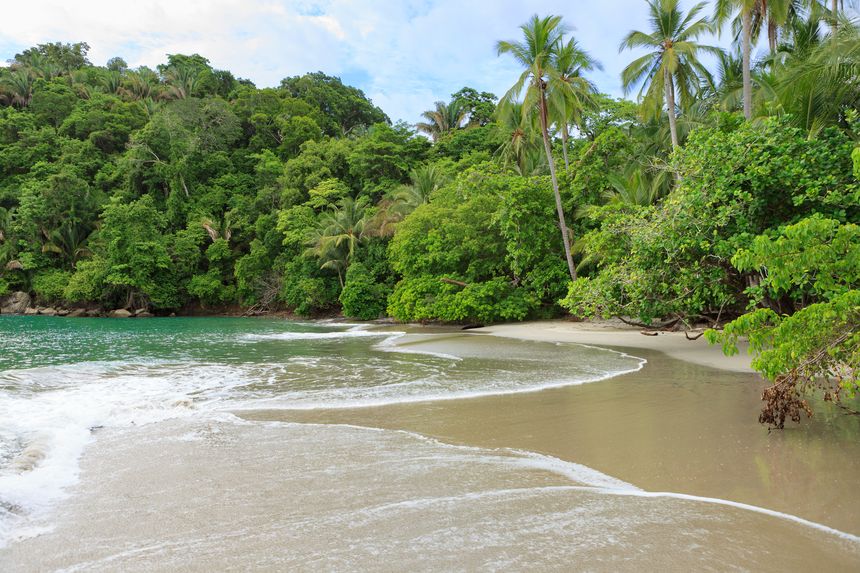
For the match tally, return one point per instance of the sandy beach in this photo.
(616, 334)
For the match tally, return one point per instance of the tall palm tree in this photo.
(672, 68)
(572, 61)
(724, 9)
(445, 118)
(536, 53)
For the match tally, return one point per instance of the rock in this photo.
(143, 314)
(31, 311)
(15, 303)
(77, 313)
(172, 314)
(50, 311)
(93, 312)
(139, 311)
(63, 312)
(120, 313)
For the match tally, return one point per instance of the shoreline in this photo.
(613, 335)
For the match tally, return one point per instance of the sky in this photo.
(404, 55)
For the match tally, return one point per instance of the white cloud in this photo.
(404, 54)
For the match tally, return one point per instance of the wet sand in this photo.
(673, 426)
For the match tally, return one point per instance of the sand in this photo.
(674, 344)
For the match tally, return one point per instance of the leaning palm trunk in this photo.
(747, 48)
(670, 105)
(564, 138)
(562, 225)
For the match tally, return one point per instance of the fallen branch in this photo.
(664, 326)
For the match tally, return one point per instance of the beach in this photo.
(663, 466)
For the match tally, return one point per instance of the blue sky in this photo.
(404, 54)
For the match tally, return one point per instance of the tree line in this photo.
(725, 195)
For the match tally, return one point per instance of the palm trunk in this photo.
(835, 9)
(562, 225)
(747, 48)
(771, 36)
(670, 105)
(564, 137)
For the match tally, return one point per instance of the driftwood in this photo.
(664, 326)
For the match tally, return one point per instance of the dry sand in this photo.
(616, 334)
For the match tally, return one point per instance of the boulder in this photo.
(143, 314)
(93, 312)
(15, 303)
(30, 311)
(120, 313)
(50, 311)
(77, 313)
(63, 312)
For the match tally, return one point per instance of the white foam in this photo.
(340, 334)
(725, 502)
(56, 425)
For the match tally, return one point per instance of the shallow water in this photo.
(266, 444)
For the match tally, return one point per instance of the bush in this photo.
(674, 260)
(362, 297)
(306, 289)
(49, 286)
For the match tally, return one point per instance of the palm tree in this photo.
(521, 140)
(69, 241)
(444, 119)
(821, 80)
(337, 235)
(425, 181)
(723, 11)
(536, 54)
(181, 82)
(17, 87)
(571, 61)
(673, 62)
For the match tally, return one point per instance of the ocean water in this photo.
(125, 445)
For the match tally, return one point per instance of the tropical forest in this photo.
(723, 193)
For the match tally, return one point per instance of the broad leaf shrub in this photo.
(817, 347)
(674, 260)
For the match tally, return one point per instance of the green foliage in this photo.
(477, 232)
(50, 285)
(327, 194)
(307, 289)
(855, 156)
(818, 347)
(675, 260)
(362, 297)
(137, 254)
(345, 108)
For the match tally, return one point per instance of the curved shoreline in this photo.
(605, 334)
